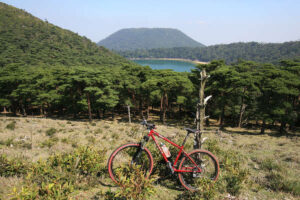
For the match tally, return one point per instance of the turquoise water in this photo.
(178, 66)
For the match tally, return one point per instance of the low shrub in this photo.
(134, 184)
(12, 167)
(206, 190)
(50, 132)
(269, 164)
(61, 174)
(11, 125)
(91, 139)
(49, 142)
(233, 175)
(278, 181)
(8, 142)
(83, 160)
(134, 130)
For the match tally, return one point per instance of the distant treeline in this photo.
(258, 52)
(243, 92)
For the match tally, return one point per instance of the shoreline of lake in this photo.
(175, 59)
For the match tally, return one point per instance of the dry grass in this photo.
(284, 151)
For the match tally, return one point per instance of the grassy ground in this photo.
(36, 139)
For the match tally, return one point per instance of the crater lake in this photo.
(176, 65)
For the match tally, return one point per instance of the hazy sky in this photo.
(207, 21)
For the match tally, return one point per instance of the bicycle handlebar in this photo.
(149, 126)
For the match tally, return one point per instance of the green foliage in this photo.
(147, 38)
(8, 142)
(270, 52)
(206, 190)
(134, 184)
(26, 39)
(233, 175)
(276, 178)
(49, 142)
(11, 125)
(50, 132)
(12, 167)
(84, 160)
(61, 174)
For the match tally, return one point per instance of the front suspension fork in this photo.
(137, 154)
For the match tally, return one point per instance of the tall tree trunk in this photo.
(24, 110)
(165, 105)
(89, 106)
(200, 115)
(221, 117)
(141, 107)
(134, 103)
(113, 113)
(282, 128)
(41, 110)
(161, 108)
(242, 110)
(99, 113)
(128, 109)
(148, 105)
(263, 127)
(103, 113)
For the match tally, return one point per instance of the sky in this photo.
(207, 21)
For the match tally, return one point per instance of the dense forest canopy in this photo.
(26, 39)
(259, 52)
(148, 38)
(243, 93)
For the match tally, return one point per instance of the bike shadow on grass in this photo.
(168, 180)
(170, 183)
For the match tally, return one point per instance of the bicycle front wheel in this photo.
(201, 164)
(127, 155)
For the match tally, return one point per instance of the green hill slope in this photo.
(148, 38)
(260, 52)
(26, 39)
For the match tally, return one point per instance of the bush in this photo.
(49, 142)
(11, 125)
(206, 190)
(134, 184)
(277, 181)
(12, 167)
(233, 175)
(61, 174)
(50, 132)
(269, 164)
(91, 139)
(84, 160)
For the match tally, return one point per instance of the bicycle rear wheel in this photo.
(126, 156)
(206, 161)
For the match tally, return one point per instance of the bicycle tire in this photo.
(206, 161)
(123, 156)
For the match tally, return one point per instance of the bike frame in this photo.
(153, 133)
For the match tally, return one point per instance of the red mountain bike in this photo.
(194, 165)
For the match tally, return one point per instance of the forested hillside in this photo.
(259, 52)
(28, 40)
(148, 38)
